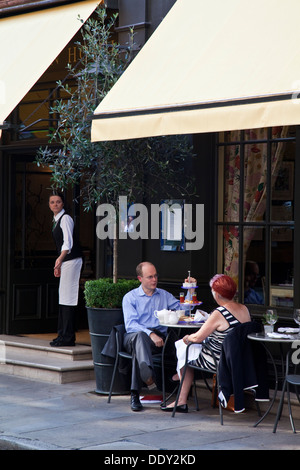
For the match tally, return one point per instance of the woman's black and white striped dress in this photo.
(215, 340)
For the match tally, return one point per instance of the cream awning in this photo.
(30, 43)
(208, 67)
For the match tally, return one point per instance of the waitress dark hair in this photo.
(59, 194)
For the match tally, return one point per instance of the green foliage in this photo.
(103, 293)
(106, 170)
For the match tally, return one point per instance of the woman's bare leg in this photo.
(186, 386)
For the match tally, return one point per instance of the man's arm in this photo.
(157, 340)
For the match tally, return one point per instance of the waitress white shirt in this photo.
(67, 226)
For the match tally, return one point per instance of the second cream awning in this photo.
(209, 66)
(30, 43)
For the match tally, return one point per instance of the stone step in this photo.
(36, 359)
(30, 346)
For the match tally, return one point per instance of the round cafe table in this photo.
(191, 325)
(281, 340)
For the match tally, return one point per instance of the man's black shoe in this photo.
(135, 402)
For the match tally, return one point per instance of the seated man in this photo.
(144, 334)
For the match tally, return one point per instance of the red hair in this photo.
(224, 286)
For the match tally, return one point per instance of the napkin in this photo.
(194, 351)
(200, 315)
(288, 330)
(280, 335)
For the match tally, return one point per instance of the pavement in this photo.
(43, 416)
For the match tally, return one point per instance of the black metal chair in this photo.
(119, 353)
(290, 379)
(236, 340)
(158, 360)
(204, 372)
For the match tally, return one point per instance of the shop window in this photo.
(256, 213)
(34, 117)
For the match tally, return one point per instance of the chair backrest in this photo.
(238, 335)
(237, 367)
(119, 331)
(292, 360)
(237, 354)
(115, 341)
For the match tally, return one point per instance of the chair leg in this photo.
(290, 408)
(217, 391)
(195, 396)
(163, 378)
(221, 413)
(112, 379)
(280, 406)
(170, 395)
(258, 408)
(297, 393)
(179, 390)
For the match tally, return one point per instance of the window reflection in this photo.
(254, 268)
(253, 291)
(259, 171)
(282, 259)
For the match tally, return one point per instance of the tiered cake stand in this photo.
(191, 304)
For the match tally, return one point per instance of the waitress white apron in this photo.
(69, 282)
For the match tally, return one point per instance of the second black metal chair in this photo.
(290, 379)
(119, 353)
(158, 360)
(236, 355)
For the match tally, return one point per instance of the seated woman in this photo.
(220, 322)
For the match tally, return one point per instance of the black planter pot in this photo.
(100, 322)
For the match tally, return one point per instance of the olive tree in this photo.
(104, 171)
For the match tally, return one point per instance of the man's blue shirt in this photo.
(138, 309)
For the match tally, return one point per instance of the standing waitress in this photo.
(67, 267)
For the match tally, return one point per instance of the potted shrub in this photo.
(103, 300)
(105, 294)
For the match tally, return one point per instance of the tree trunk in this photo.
(115, 257)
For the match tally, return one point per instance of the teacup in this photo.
(180, 313)
(172, 318)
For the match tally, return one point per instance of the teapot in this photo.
(161, 315)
